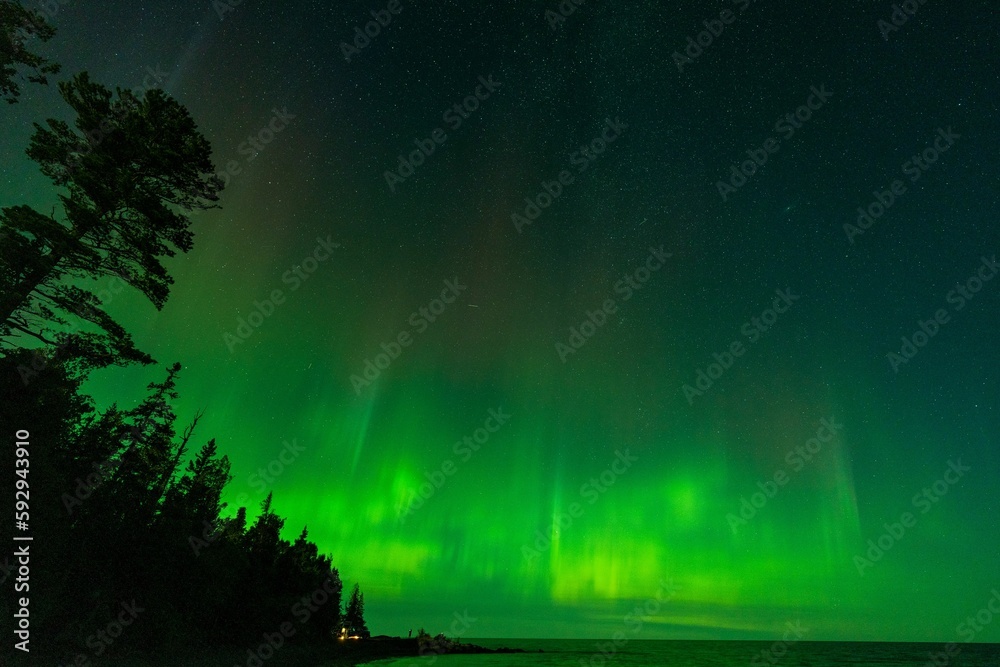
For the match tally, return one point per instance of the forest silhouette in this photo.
(132, 550)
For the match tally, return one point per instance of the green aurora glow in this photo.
(665, 517)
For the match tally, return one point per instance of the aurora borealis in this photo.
(546, 369)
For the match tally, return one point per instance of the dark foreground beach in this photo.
(336, 654)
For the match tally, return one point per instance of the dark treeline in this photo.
(125, 507)
(121, 522)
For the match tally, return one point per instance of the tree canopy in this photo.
(129, 170)
(123, 509)
(19, 26)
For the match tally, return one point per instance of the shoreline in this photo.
(337, 653)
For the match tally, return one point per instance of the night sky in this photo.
(542, 388)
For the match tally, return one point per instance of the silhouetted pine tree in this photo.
(19, 25)
(263, 539)
(196, 498)
(131, 170)
(117, 514)
(307, 573)
(150, 454)
(354, 615)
